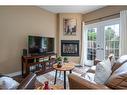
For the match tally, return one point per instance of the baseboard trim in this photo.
(14, 74)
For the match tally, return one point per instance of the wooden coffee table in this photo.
(65, 67)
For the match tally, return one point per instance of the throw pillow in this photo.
(89, 77)
(8, 83)
(119, 62)
(92, 69)
(122, 59)
(103, 71)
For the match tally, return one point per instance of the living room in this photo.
(18, 23)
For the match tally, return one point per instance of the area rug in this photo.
(50, 76)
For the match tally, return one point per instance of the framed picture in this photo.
(69, 26)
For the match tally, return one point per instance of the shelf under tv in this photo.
(40, 63)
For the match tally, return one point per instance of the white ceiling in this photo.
(72, 9)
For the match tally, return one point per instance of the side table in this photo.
(65, 67)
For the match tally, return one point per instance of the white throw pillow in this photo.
(122, 59)
(8, 83)
(89, 77)
(93, 68)
(103, 71)
(121, 70)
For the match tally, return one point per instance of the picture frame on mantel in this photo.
(69, 26)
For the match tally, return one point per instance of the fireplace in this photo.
(69, 47)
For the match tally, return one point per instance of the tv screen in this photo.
(40, 45)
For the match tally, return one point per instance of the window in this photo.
(102, 39)
(112, 40)
(91, 50)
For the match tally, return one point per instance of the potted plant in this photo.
(65, 59)
(59, 61)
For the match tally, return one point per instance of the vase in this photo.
(59, 65)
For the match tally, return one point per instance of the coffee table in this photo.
(65, 67)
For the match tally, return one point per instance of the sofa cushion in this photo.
(103, 71)
(8, 83)
(118, 79)
(119, 62)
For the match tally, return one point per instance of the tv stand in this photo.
(38, 64)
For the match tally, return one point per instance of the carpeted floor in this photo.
(51, 76)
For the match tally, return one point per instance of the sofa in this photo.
(27, 83)
(116, 80)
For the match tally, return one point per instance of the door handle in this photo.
(99, 48)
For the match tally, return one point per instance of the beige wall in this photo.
(103, 12)
(78, 18)
(16, 23)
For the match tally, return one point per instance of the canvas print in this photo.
(69, 26)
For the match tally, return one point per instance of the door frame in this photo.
(100, 28)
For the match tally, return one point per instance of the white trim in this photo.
(14, 74)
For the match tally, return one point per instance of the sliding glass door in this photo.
(91, 43)
(112, 40)
(102, 39)
(92, 47)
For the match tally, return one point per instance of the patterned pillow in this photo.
(103, 71)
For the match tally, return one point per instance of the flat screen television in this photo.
(40, 45)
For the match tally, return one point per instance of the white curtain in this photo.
(123, 32)
(84, 46)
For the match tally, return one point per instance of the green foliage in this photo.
(109, 36)
(92, 35)
(109, 33)
(112, 37)
(58, 59)
(65, 59)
